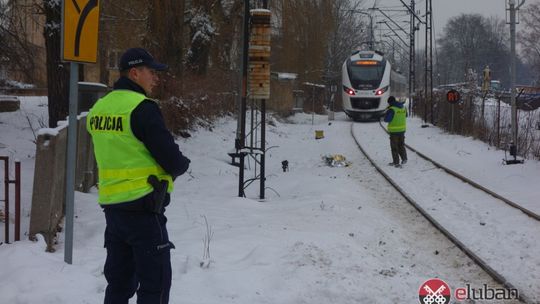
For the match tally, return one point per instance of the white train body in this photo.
(368, 80)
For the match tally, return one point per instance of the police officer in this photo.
(137, 160)
(396, 117)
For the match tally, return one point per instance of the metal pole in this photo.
(70, 161)
(263, 147)
(431, 59)
(426, 66)
(513, 71)
(6, 197)
(499, 122)
(17, 200)
(412, 55)
(240, 140)
(452, 122)
(371, 42)
(428, 76)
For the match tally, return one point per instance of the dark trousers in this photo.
(397, 145)
(138, 257)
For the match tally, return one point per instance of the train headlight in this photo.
(349, 91)
(381, 91)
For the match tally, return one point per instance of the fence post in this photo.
(6, 197)
(499, 122)
(17, 182)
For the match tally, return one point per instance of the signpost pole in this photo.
(453, 97)
(79, 19)
(70, 162)
(452, 122)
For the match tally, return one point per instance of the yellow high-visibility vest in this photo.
(124, 163)
(399, 122)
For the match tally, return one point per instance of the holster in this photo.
(159, 194)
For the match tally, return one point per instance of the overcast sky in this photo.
(445, 9)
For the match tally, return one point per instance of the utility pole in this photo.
(428, 75)
(412, 59)
(412, 52)
(512, 9)
(239, 142)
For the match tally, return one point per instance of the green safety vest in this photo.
(124, 163)
(399, 122)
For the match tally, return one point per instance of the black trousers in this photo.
(138, 257)
(397, 145)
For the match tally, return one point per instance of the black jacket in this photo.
(148, 126)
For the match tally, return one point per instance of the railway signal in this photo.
(453, 96)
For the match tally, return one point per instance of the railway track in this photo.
(472, 183)
(492, 271)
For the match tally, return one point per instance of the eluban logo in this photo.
(434, 291)
(486, 293)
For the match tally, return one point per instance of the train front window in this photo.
(366, 76)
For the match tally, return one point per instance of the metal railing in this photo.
(17, 182)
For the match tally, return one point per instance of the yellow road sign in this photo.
(80, 30)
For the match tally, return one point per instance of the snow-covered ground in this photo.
(502, 236)
(481, 163)
(323, 235)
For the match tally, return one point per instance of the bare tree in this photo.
(301, 38)
(57, 71)
(165, 32)
(470, 41)
(348, 33)
(18, 53)
(529, 38)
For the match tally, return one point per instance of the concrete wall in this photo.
(48, 198)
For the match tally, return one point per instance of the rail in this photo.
(478, 260)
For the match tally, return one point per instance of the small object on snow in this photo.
(482, 224)
(319, 134)
(436, 252)
(205, 263)
(336, 160)
(285, 165)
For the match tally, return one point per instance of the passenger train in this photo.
(368, 80)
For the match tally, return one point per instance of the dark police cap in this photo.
(140, 57)
(391, 99)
